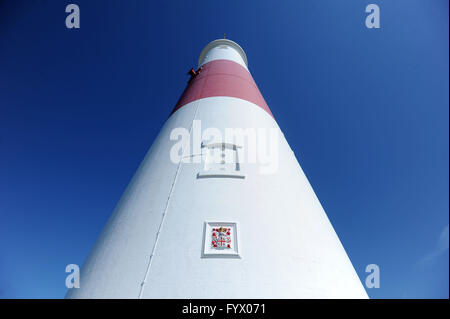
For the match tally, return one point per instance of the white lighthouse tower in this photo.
(219, 207)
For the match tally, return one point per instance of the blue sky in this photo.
(366, 112)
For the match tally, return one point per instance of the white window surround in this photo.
(228, 166)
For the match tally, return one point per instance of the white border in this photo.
(208, 253)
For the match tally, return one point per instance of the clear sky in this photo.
(366, 112)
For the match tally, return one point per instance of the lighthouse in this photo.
(219, 206)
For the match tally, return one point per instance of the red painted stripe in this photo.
(222, 78)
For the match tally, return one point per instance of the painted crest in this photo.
(221, 238)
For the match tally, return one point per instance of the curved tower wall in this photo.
(157, 244)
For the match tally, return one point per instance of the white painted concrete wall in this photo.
(223, 49)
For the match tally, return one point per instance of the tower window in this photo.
(221, 160)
